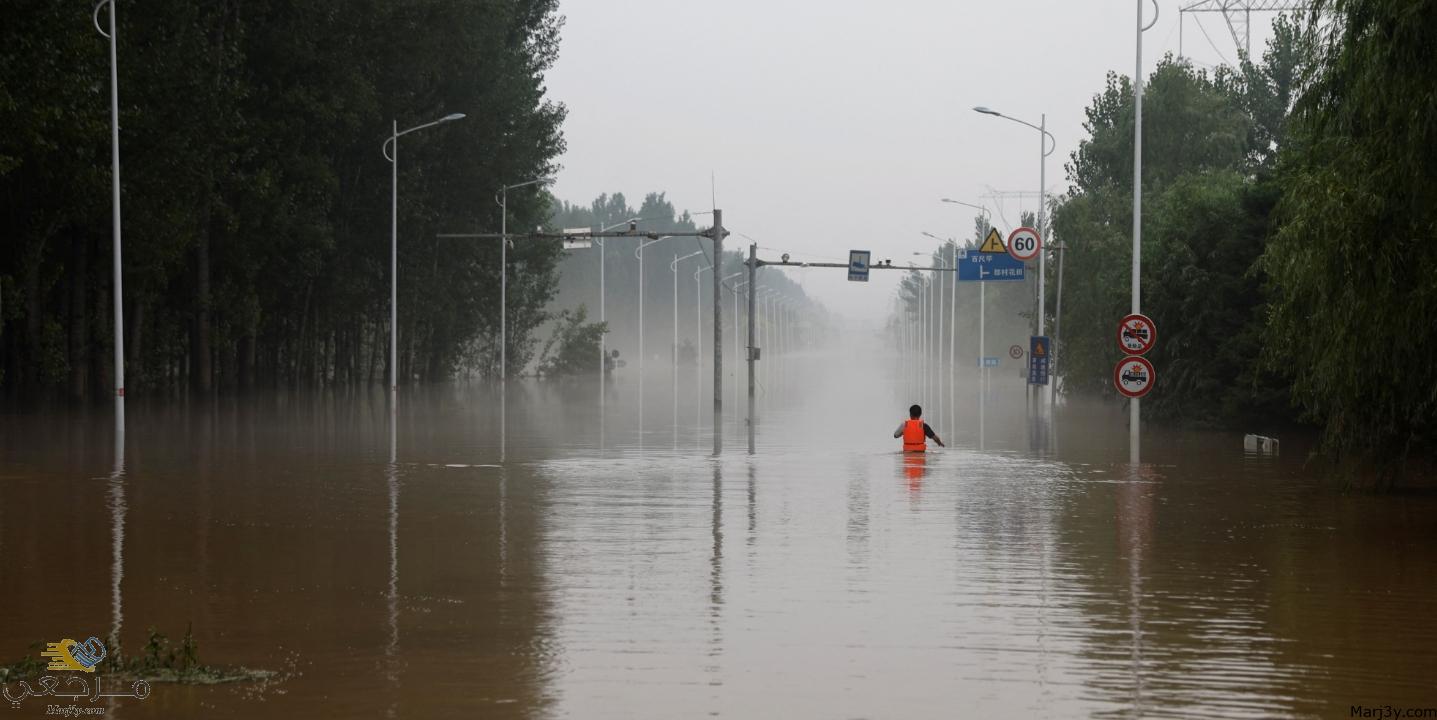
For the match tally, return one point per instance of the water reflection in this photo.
(115, 500)
(568, 582)
(391, 647)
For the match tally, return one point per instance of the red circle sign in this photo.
(1024, 244)
(1137, 334)
(1015, 352)
(1133, 376)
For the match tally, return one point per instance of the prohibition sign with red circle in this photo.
(1015, 352)
(1024, 244)
(1137, 334)
(1133, 376)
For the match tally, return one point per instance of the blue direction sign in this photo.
(988, 362)
(988, 267)
(1038, 353)
(857, 265)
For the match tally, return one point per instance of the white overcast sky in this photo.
(838, 125)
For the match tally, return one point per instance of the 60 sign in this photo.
(1024, 244)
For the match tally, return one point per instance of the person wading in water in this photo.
(915, 432)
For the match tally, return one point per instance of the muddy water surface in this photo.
(604, 569)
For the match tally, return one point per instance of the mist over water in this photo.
(598, 565)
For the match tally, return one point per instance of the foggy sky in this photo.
(830, 126)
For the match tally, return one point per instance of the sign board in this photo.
(1137, 334)
(993, 243)
(1015, 352)
(858, 265)
(1133, 376)
(988, 267)
(1024, 244)
(1038, 356)
(577, 239)
(988, 362)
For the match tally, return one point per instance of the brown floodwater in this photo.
(596, 567)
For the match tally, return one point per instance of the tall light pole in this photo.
(391, 153)
(115, 215)
(674, 347)
(736, 344)
(504, 273)
(946, 371)
(699, 346)
(639, 253)
(982, 300)
(504, 309)
(1134, 405)
(674, 270)
(603, 316)
(1044, 151)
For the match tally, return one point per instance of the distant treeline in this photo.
(1289, 237)
(579, 276)
(256, 199)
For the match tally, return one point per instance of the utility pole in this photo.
(1135, 414)
(718, 235)
(119, 301)
(752, 351)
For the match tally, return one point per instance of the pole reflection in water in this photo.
(118, 508)
(716, 578)
(1134, 527)
(391, 648)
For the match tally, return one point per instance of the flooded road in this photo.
(616, 571)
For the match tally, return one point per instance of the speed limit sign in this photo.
(1024, 244)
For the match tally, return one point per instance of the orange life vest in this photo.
(914, 439)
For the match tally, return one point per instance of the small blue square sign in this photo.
(858, 265)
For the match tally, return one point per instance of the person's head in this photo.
(915, 412)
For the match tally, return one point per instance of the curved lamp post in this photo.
(391, 153)
(1045, 151)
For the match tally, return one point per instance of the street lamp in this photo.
(950, 269)
(699, 346)
(982, 301)
(1044, 151)
(1134, 405)
(639, 253)
(674, 346)
(736, 345)
(504, 272)
(674, 270)
(115, 218)
(391, 153)
(604, 336)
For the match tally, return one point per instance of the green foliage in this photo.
(1353, 264)
(1208, 191)
(573, 347)
(256, 199)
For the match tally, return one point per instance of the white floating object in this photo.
(1259, 444)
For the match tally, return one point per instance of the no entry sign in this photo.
(1024, 244)
(1136, 334)
(1133, 376)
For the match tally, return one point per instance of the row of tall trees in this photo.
(255, 195)
(1290, 208)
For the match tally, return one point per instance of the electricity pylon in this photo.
(1238, 15)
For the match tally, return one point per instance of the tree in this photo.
(1208, 192)
(574, 345)
(256, 201)
(1353, 266)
